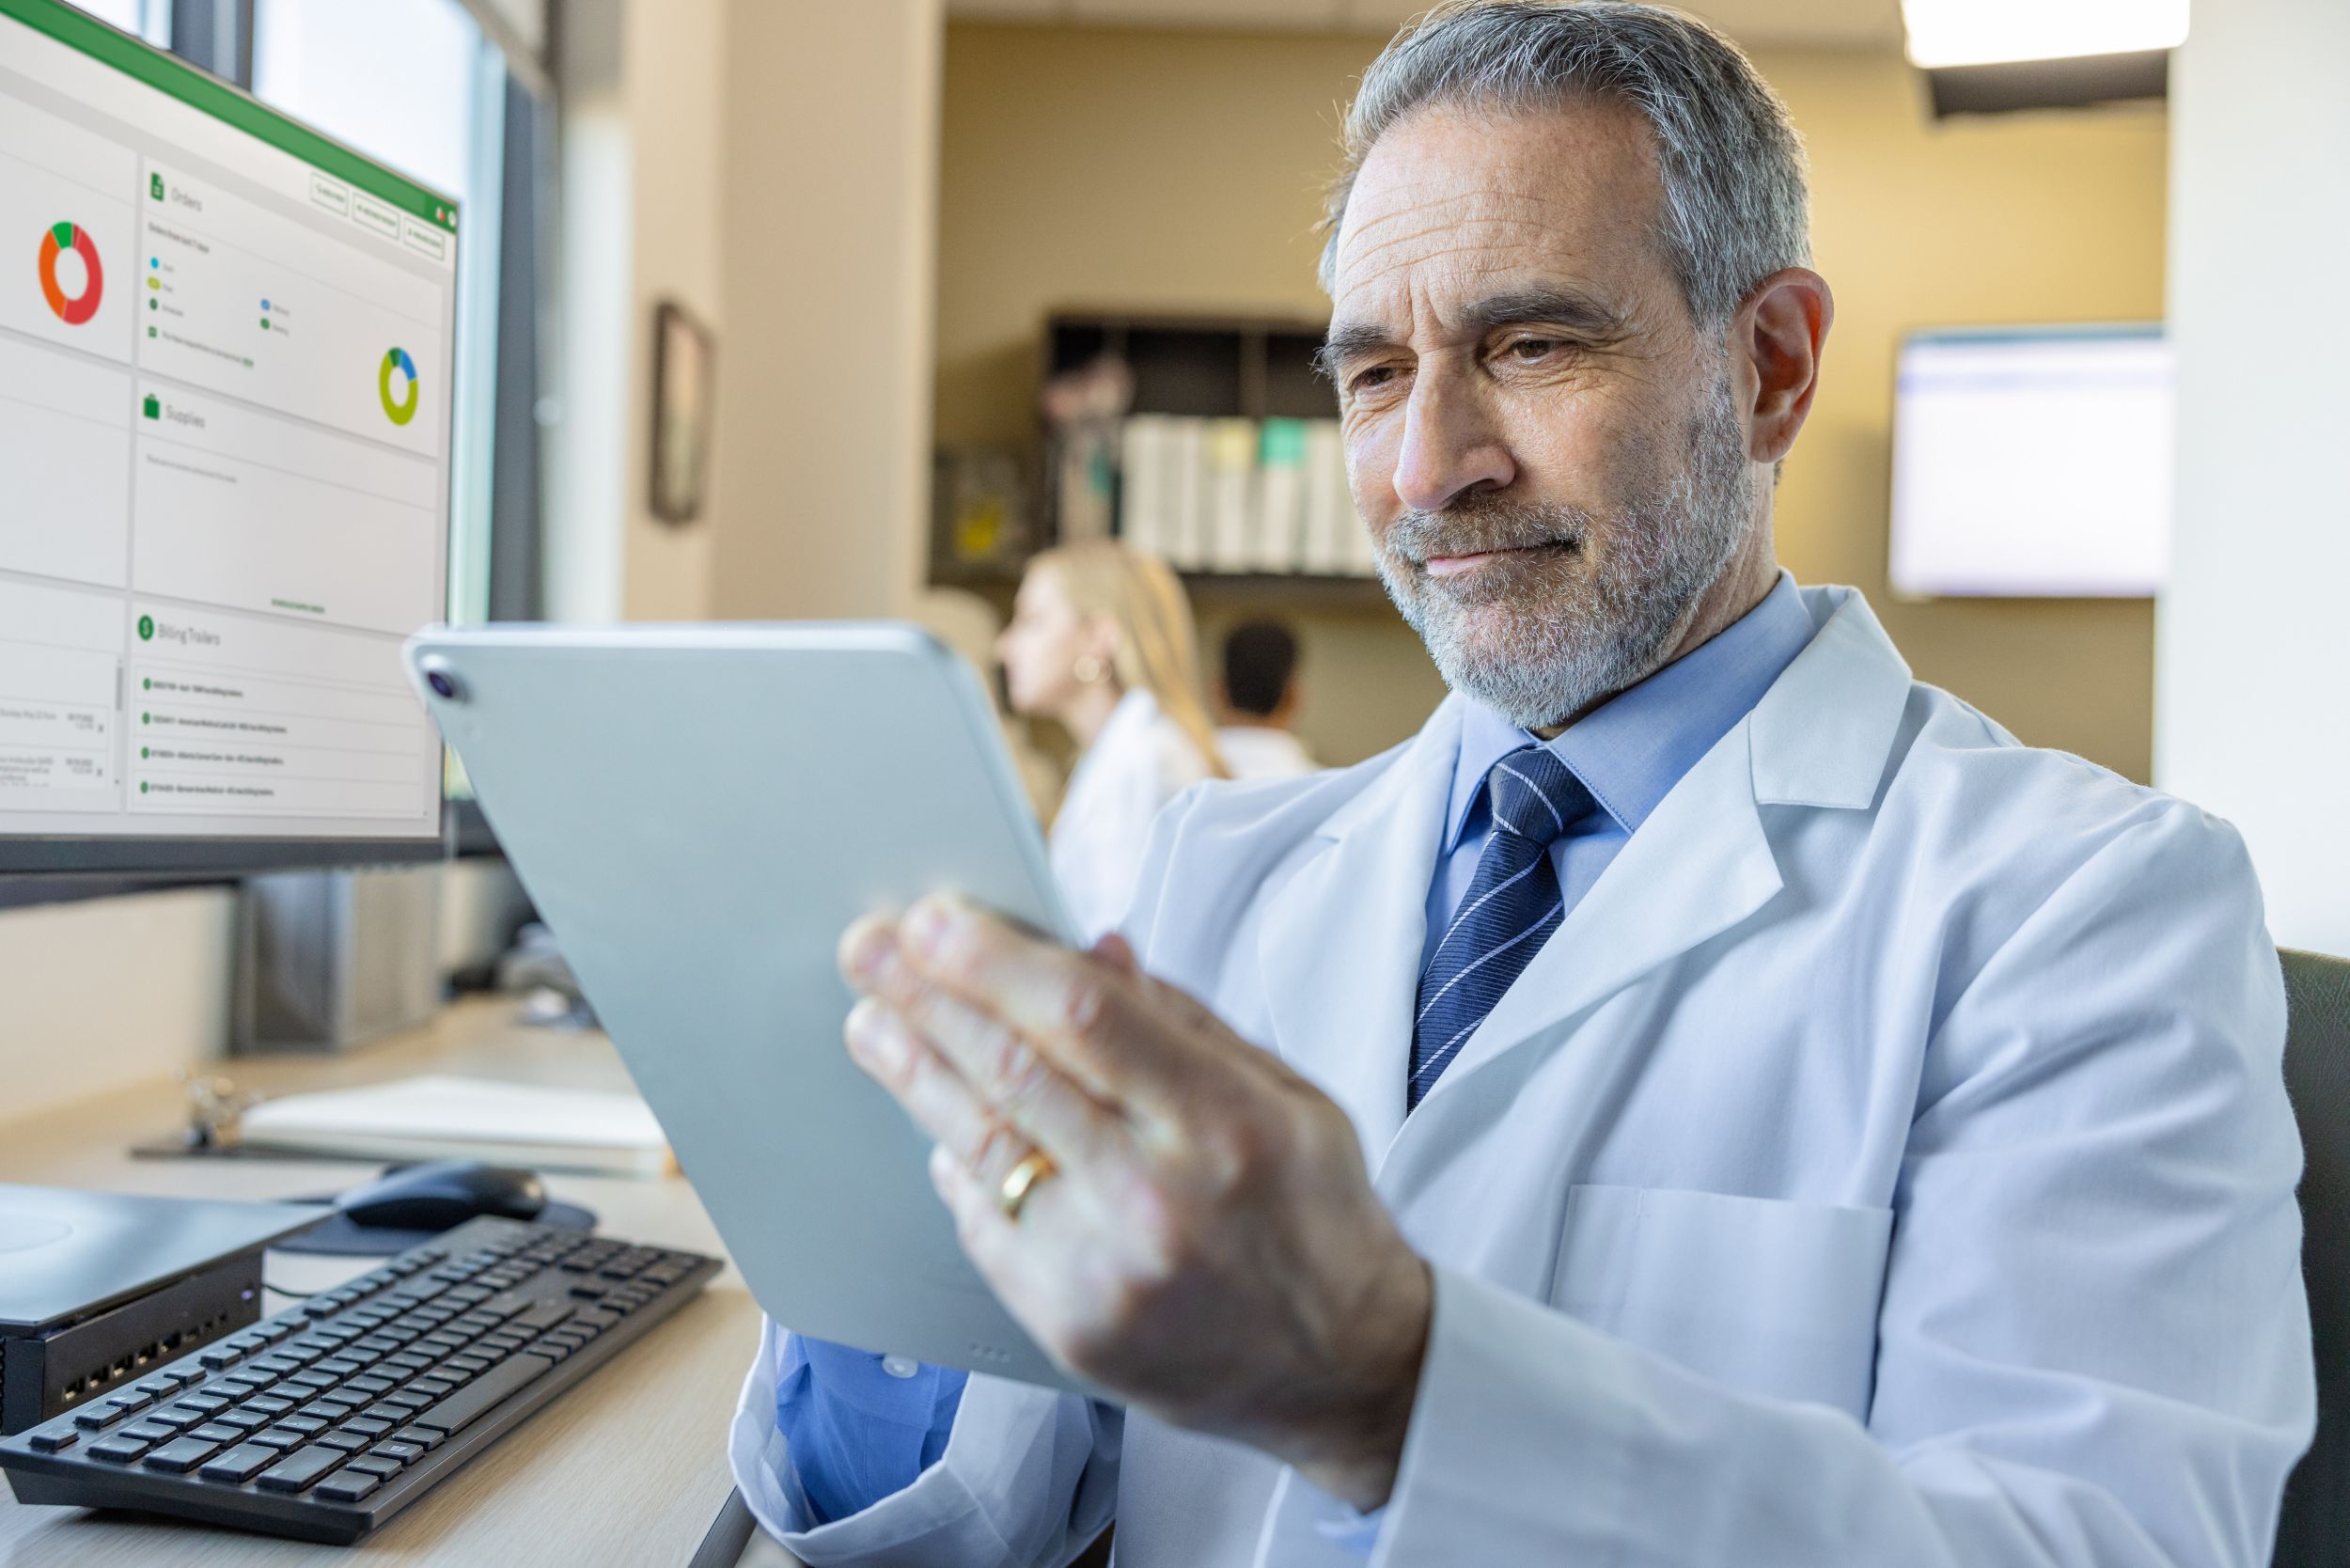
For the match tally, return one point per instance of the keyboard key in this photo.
(349, 1442)
(341, 1365)
(469, 1403)
(278, 1365)
(97, 1418)
(345, 1487)
(179, 1415)
(373, 1382)
(470, 1363)
(298, 1470)
(119, 1449)
(251, 1382)
(375, 1464)
(151, 1432)
(421, 1436)
(207, 1403)
(241, 1463)
(306, 1424)
(181, 1455)
(432, 1387)
(216, 1433)
(279, 1437)
(547, 1314)
(219, 1356)
(404, 1400)
(368, 1426)
(407, 1453)
(313, 1380)
(130, 1400)
(54, 1440)
(243, 1419)
(268, 1404)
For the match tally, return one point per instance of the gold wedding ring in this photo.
(1021, 1180)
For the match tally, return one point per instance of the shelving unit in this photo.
(1194, 365)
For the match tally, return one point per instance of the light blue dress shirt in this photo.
(857, 1433)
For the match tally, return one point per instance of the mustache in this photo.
(1481, 524)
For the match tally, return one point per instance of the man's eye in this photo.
(1531, 350)
(1363, 380)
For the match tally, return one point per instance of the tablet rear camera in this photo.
(444, 682)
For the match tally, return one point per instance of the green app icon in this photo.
(155, 186)
(154, 406)
(147, 623)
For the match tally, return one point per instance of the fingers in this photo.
(940, 1103)
(996, 1063)
(1083, 1013)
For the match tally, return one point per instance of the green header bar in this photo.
(195, 88)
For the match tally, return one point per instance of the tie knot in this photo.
(1535, 795)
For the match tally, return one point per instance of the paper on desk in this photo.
(437, 1117)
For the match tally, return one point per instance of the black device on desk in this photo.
(97, 1287)
(323, 1422)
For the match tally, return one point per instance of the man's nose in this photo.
(1449, 446)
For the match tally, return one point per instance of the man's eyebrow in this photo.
(1348, 341)
(1560, 308)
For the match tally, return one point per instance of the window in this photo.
(416, 84)
(149, 19)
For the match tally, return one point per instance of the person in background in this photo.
(1102, 640)
(1258, 698)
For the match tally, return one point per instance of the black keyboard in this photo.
(324, 1421)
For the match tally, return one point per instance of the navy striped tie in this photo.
(1511, 907)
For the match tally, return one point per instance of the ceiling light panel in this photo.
(1991, 32)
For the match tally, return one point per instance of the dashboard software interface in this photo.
(225, 374)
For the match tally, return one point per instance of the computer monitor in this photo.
(2032, 462)
(226, 365)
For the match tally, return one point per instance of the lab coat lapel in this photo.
(1702, 862)
(1341, 940)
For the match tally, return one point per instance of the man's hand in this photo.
(1210, 1247)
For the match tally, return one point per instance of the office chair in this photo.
(2314, 1529)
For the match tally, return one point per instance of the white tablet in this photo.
(698, 812)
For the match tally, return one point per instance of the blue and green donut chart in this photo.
(398, 413)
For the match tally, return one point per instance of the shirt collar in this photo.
(1631, 750)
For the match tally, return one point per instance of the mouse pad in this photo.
(337, 1235)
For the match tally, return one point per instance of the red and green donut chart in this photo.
(55, 242)
(400, 412)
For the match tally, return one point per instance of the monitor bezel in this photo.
(65, 856)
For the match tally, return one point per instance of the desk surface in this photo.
(627, 1467)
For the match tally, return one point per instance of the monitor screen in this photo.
(2032, 462)
(225, 352)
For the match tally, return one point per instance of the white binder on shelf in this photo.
(1231, 485)
(1329, 510)
(1280, 496)
(1184, 538)
(1142, 482)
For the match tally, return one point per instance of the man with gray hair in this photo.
(1709, 1099)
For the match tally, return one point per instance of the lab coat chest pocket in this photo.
(1769, 1296)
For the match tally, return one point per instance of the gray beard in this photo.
(1538, 640)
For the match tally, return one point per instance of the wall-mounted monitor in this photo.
(2032, 462)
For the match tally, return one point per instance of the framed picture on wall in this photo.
(684, 361)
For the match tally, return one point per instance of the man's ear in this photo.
(1777, 337)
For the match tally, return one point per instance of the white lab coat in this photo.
(1252, 751)
(1886, 1165)
(1140, 761)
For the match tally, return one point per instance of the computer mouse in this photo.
(437, 1194)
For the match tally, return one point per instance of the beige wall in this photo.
(823, 481)
(1134, 168)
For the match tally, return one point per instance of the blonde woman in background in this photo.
(1102, 640)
